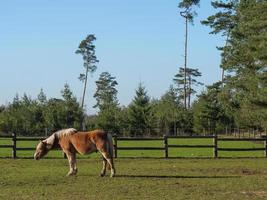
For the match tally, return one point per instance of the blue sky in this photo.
(137, 41)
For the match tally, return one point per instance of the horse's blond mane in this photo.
(51, 140)
(65, 132)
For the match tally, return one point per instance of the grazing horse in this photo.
(71, 142)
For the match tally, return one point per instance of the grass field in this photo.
(138, 178)
(150, 178)
(173, 152)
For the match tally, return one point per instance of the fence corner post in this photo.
(215, 148)
(14, 150)
(165, 137)
(115, 145)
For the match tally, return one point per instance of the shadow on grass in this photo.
(174, 177)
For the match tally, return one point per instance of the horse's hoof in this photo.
(71, 174)
(112, 175)
(102, 175)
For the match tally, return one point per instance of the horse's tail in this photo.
(110, 145)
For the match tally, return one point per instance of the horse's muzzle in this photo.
(36, 157)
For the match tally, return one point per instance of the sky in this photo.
(138, 41)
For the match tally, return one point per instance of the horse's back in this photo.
(97, 135)
(84, 142)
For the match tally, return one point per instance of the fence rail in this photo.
(165, 145)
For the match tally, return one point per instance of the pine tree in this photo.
(42, 97)
(106, 93)
(223, 22)
(168, 111)
(106, 98)
(209, 113)
(87, 50)
(140, 113)
(188, 13)
(191, 75)
(246, 59)
(71, 111)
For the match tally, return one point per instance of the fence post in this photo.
(215, 148)
(115, 145)
(265, 144)
(14, 151)
(165, 137)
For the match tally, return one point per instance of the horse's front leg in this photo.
(72, 163)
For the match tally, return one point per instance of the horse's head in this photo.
(41, 150)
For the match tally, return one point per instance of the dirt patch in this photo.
(260, 194)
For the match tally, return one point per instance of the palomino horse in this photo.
(71, 141)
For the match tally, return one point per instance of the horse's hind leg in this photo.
(75, 169)
(103, 171)
(110, 162)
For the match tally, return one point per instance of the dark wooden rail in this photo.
(166, 144)
(164, 147)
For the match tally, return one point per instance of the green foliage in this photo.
(245, 57)
(244, 92)
(188, 11)
(87, 50)
(170, 115)
(224, 20)
(167, 111)
(191, 81)
(35, 117)
(106, 98)
(209, 112)
(106, 93)
(140, 113)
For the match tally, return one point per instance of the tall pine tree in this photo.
(188, 14)
(107, 102)
(87, 50)
(140, 113)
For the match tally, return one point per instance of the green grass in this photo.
(136, 179)
(173, 152)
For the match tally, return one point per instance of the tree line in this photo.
(40, 116)
(238, 100)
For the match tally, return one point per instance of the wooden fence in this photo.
(165, 144)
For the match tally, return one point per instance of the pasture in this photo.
(137, 178)
(152, 177)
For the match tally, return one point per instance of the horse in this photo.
(72, 141)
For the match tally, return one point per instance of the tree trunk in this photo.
(226, 43)
(185, 59)
(82, 126)
(189, 91)
(85, 84)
